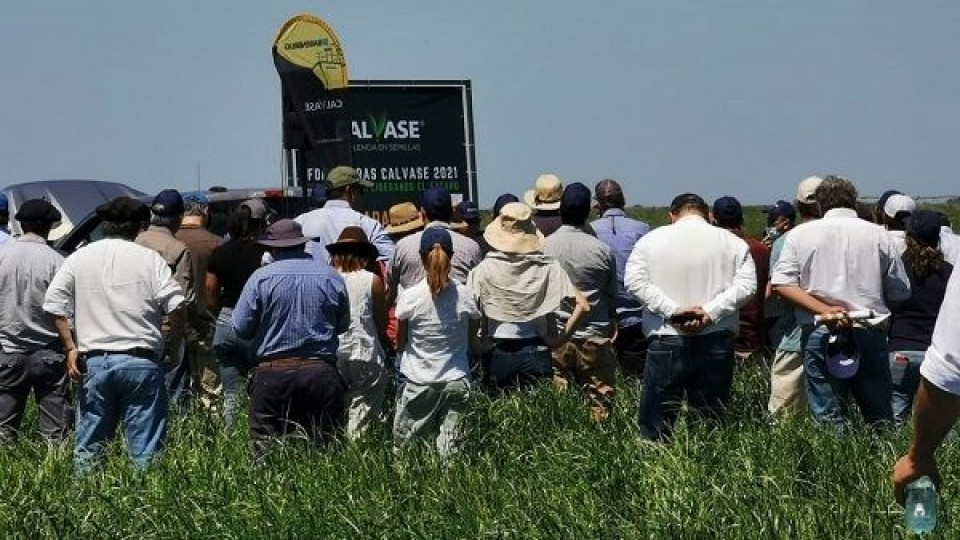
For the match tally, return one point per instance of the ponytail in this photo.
(436, 262)
(923, 259)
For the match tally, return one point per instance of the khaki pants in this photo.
(425, 411)
(591, 365)
(366, 391)
(787, 390)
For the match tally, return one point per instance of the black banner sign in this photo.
(405, 137)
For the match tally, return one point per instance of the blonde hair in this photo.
(436, 263)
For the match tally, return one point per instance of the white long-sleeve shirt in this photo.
(843, 260)
(690, 263)
(941, 365)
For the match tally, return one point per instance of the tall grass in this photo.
(531, 465)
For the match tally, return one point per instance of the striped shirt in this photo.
(293, 308)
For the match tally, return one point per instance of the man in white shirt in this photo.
(117, 294)
(836, 264)
(937, 404)
(323, 225)
(692, 278)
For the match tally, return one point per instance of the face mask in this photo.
(771, 232)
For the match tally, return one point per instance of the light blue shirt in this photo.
(293, 308)
(621, 233)
(324, 225)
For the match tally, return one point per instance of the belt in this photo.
(281, 363)
(139, 352)
(514, 345)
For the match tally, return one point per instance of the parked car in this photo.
(284, 202)
(74, 198)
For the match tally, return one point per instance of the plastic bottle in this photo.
(921, 507)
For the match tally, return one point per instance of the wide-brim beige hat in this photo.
(514, 231)
(546, 193)
(404, 217)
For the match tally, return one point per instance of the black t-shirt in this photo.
(232, 263)
(913, 321)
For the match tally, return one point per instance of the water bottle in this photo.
(921, 507)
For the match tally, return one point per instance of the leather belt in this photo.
(139, 352)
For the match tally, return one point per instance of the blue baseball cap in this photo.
(924, 226)
(436, 203)
(433, 236)
(576, 198)
(198, 197)
(778, 209)
(727, 212)
(469, 211)
(168, 202)
(842, 356)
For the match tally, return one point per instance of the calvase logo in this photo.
(380, 128)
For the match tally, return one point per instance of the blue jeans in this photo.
(699, 367)
(120, 387)
(870, 387)
(523, 366)
(236, 357)
(905, 377)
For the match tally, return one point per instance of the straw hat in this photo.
(545, 194)
(353, 240)
(514, 231)
(404, 217)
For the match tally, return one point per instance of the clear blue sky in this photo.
(736, 97)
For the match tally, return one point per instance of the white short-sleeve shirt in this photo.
(438, 340)
(941, 365)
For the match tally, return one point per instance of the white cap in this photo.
(808, 186)
(897, 204)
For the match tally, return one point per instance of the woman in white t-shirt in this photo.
(437, 326)
(360, 357)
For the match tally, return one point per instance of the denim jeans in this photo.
(236, 357)
(41, 371)
(527, 365)
(119, 387)
(905, 377)
(699, 367)
(870, 387)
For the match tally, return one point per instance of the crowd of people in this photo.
(315, 318)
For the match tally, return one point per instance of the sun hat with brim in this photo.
(841, 354)
(353, 240)
(404, 217)
(284, 233)
(546, 193)
(514, 231)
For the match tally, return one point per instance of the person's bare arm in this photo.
(211, 285)
(379, 292)
(806, 301)
(72, 355)
(581, 309)
(935, 411)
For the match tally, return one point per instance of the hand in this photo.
(835, 323)
(697, 319)
(908, 469)
(73, 364)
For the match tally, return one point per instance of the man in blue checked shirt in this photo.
(621, 233)
(294, 309)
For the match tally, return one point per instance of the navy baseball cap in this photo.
(576, 198)
(778, 209)
(882, 201)
(432, 236)
(436, 202)
(727, 212)
(469, 211)
(842, 355)
(198, 197)
(924, 225)
(168, 202)
(502, 201)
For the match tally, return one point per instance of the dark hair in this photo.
(575, 215)
(836, 192)
(808, 211)
(689, 201)
(39, 228)
(438, 213)
(242, 226)
(337, 193)
(127, 230)
(922, 258)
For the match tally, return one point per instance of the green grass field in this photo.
(532, 466)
